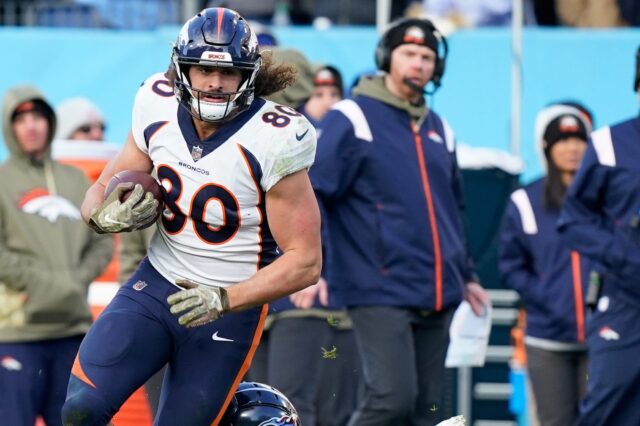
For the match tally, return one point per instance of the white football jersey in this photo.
(214, 228)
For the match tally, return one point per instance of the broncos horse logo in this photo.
(51, 207)
(280, 421)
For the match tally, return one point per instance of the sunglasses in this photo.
(88, 127)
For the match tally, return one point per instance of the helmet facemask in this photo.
(215, 112)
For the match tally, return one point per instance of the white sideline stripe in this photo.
(353, 112)
(449, 137)
(604, 146)
(101, 292)
(521, 200)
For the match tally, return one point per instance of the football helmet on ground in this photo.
(256, 404)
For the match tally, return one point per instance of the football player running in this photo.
(240, 228)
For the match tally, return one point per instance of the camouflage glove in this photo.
(116, 216)
(203, 304)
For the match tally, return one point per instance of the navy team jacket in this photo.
(550, 277)
(600, 214)
(390, 193)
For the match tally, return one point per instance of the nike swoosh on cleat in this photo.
(220, 339)
(299, 137)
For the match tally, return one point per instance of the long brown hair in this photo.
(271, 77)
(554, 188)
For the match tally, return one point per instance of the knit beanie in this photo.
(74, 113)
(412, 31)
(328, 76)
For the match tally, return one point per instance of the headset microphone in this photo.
(422, 90)
(416, 88)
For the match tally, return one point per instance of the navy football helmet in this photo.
(216, 37)
(256, 404)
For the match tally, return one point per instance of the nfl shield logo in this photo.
(196, 153)
(139, 285)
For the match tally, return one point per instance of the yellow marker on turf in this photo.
(333, 322)
(330, 354)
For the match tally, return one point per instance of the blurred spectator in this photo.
(475, 13)
(589, 13)
(12, 12)
(120, 14)
(327, 90)
(80, 143)
(135, 14)
(48, 258)
(601, 219)
(549, 277)
(298, 93)
(80, 119)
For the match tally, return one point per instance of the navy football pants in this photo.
(136, 335)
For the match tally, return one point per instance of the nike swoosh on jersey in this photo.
(299, 137)
(220, 339)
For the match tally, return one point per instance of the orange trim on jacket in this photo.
(577, 294)
(424, 175)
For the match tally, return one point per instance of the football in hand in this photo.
(148, 182)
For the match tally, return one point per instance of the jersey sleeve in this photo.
(294, 149)
(153, 101)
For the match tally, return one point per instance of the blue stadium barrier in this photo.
(594, 67)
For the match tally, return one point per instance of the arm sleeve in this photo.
(515, 262)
